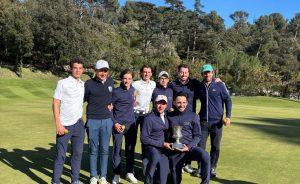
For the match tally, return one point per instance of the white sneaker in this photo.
(188, 168)
(116, 179)
(130, 177)
(93, 180)
(103, 181)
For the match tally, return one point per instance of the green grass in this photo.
(261, 146)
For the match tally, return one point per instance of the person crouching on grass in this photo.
(153, 135)
(191, 135)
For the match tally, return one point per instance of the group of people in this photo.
(121, 111)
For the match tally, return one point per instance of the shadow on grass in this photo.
(290, 100)
(226, 181)
(138, 166)
(41, 160)
(25, 161)
(283, 129)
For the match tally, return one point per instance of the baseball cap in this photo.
(101, 64)
(206, 68)
(163, 73)
(161, 98)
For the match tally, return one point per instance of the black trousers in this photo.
(214, 130)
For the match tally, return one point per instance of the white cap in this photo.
(101, 64)
(160, 98)
(163, 73)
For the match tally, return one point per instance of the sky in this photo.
(255, 8)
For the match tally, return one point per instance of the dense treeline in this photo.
(258, 58)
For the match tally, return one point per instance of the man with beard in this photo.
(213, 96)
(191, 136)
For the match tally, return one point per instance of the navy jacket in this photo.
(154, 130)
(123, 102)
(98, 95)
(188, 88)
(168, 92)
(213, 98)
(191, 130)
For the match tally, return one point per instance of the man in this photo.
(98, 94)
(187, 85)
(153, 135)
(191, 135)
(67, 110)
(213, 96)
(124, 126)
(144, 89)
(143, 93)
(162, 88)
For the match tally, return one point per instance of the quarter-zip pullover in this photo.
(98, 95)
(191, 130)
(154, 130)
(213, 97)
(160, 90)
(123, 102)
(189, 88)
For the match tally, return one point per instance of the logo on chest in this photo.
(186, 123)
(110, 89)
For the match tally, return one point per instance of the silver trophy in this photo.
(177, 135)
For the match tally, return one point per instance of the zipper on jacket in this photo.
(207, 88)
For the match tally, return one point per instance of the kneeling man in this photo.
(153, 134)
(191, 134)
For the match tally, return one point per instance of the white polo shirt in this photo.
(70, 92)
(144, 93)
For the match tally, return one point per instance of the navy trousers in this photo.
(215, 133)
(177, 160)
(130, 134)
(157, 160)
(76, 135)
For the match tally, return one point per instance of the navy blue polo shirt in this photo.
(160, 90)
(213, 97)
(191, 130)
(123, 102)
(98, 95)
(154, 130)
(189, 88)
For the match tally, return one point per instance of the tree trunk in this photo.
(188, 49)
(81, 11)
(258, 50)
(296, 32)
(194, 45)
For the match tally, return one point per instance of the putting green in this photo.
(261, 146)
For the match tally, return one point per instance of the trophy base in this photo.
(177, 146)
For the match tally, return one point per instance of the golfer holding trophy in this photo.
(185, 134)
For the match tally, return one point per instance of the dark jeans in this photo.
(156, 160)
(214, 130)
(177, 159)
(76, 135)
(130, 134)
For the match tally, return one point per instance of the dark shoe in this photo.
(213, 172)
(197, 173)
